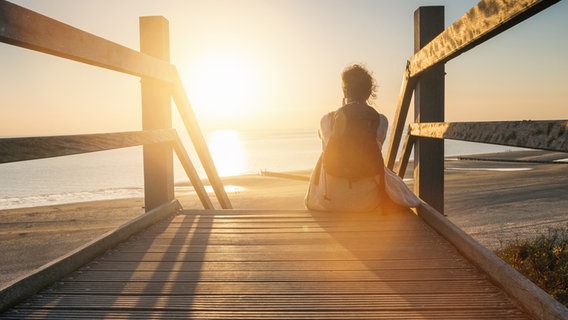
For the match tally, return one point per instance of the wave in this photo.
(70, 197)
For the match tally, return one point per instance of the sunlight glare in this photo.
(224, 86)
(228, 152)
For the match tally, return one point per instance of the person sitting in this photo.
(350, 174)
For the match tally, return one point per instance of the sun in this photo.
(224, 86)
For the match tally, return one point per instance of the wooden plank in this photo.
(354, 264)
(22, 287)
(402, 163)
(399, 122)
(382, 253)
(284, 303)
(534, 300)
(20, 149)
(283, 229)
(28, 29)
(475, 314)
(545, 135)
(192, 174)
(305, 276)
(273, 239)
(485, 20)
(422, 286)
(429, 107)
(393, 245)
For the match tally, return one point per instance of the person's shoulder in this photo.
(326, 119)
(328, 116)
(383, 118)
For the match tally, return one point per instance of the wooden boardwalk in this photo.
(277, 265)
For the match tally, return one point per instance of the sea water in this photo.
(118, 174)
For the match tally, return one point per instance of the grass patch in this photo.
(543, 260)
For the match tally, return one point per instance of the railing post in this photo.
(429, 107)
(156, 114)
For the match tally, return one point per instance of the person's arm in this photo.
(325, 128)
(382, 129)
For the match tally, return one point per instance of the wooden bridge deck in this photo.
(277, 265)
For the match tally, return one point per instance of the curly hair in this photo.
(358, 83)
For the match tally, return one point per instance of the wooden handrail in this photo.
(476, 26)
(32, 148)
(29, 148)
(485, 20)
(28, 29)
(544, 135)
(402, 106)
(533, 299)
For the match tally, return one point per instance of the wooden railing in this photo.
(424, 77)
(160, 83)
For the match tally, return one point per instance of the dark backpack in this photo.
(352, 151)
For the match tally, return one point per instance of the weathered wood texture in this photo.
(485, 20)
(534, 300)
(29, 29)
(429, 96)
(46, 275)
(399, 122)
(278, 265)
(545, 135)
(20, 149)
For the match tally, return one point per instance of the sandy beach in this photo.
(490, 197)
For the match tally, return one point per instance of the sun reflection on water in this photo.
(228, 152)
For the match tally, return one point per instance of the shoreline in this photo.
(487, 201)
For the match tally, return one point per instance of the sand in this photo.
(520, 200)
(529, 196)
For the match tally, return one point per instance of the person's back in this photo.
(352, 150)
(349, 174)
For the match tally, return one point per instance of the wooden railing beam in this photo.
(399, 123)
(192, 126)
(402, 163)
(485, 20)
(31, 148)
(192, 174)
(545, 135)
(28, 29)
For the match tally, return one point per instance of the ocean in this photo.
(118, 174)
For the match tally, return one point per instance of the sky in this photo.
(276, 64)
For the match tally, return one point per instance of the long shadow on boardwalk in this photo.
(185, 253)
(133, 280)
